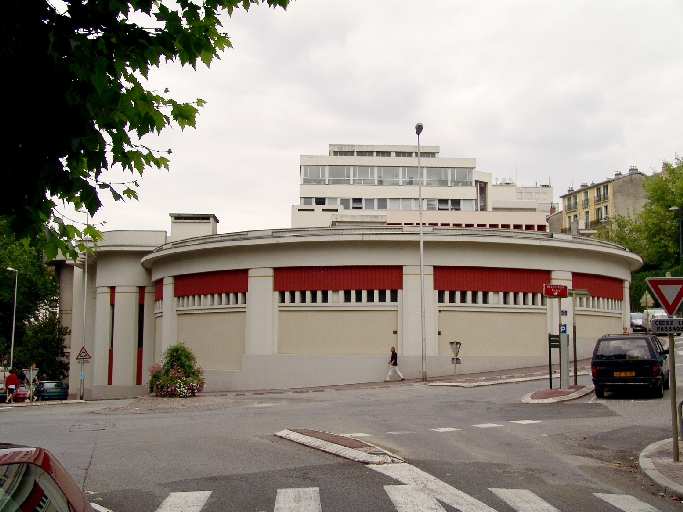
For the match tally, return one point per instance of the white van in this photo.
(649, 314)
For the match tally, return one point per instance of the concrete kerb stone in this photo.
(572, 396)
(37, 404)
(496, 381)
(649, 468)
(341, 451)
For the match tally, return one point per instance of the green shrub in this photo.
(178, 374)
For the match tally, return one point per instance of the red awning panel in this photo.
(338, 278)
(224, 281)
(599, 286)
(487, 279)
(159, 290)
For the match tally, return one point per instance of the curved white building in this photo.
(317, 306)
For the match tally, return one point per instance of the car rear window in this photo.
(620, 348)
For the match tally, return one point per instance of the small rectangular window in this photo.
(307, 200)
(369, 204)
(364, 175)
(342, 153)
(365, 153)
(320, 201)
(382, 295)
(404, 153)
(444, 204)
(406, 204)
(451, 297)
(381, 204)
(347, 295)
(440, 297)
(357, 203)
(302, 297)
(484, 297)
(345, 203)
(359, 295)
(475, 297)
(455, 204)
(292, 297)
(463, 297)
(314, 296)
(339, 174)
(281, 297)
(324, 296)
(332, 201)
(431, 204)
(371, 295)
(506, 297)
(394, 204)
(313, 174)
(393, 296)
(383, 153)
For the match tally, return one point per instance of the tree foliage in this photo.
(42, 344)
(74, 90)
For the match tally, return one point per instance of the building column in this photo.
(411, 329)
(149, 334)
(563, 278)
(125, 326)
(169, 321)
(100, 355)
(626, 306)
(260, 321)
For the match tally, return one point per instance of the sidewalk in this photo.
(656, 461)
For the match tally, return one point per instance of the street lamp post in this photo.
(14, 315)
(418, 131)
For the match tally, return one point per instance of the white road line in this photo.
(524, 500)
(99, 508)
(358, 434)
(408, 498)
(487, 425)
(525, 422)
(410, 475)
(402, 432)
(184, 501)
(444, 429)
(298, 500)
(626, 503)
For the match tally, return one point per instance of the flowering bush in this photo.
(178, 375)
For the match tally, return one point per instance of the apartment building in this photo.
(591, 206)
(378, 184)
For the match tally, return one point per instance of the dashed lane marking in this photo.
(402, 432)
(410, 475)
(304, 499)
(626, 503)
(487, 425)
(525, 422)
(409, 498)
(184, 501)
(523, 500)
(445, 429)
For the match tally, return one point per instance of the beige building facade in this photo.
(319, 306)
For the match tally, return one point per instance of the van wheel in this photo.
(659, 391)
(599, 392)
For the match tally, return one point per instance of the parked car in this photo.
(20, 395)
(33, 479)
(637, 322)
(52, 390)
(623, 361)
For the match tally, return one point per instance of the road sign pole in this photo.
(672, 391)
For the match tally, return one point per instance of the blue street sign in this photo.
(563, 330)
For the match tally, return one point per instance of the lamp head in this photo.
(673, 209)
(11, 269)
(418, 128)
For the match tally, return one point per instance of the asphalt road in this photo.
(472, 440)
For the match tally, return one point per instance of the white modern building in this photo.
(323, 305)
(378, 184)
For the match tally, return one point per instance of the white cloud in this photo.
(570, 92)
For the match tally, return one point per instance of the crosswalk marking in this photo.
(445, 429)
(402, 432)
(523, 500)
(408, 498)
(410, 475)
(298, 500)
(626, 503)
(487, 425)
(184, 501)
(525, 422)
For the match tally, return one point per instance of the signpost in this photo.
(558, 291)
(669, 292)
(455, 347)
(82, 357)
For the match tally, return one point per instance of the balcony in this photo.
(585, 203)
(572, 207)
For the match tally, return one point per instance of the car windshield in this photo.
(621, 348)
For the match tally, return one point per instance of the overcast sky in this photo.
(566, 92)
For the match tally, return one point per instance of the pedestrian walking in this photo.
(393, 366)
(11, 385)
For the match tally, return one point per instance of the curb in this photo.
(526, 399)
(341, 451)
(498, 381)
(648, 467)
(41, 403)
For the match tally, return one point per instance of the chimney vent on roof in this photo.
(632, 169)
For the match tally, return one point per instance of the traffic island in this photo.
(549, 396)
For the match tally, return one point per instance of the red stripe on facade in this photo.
(112, 295)
(110, 370)
(225, 281)
(599, 286)
(138, 375)
(141, 294)
(159, 290)
(486, 279)
(338, 278)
